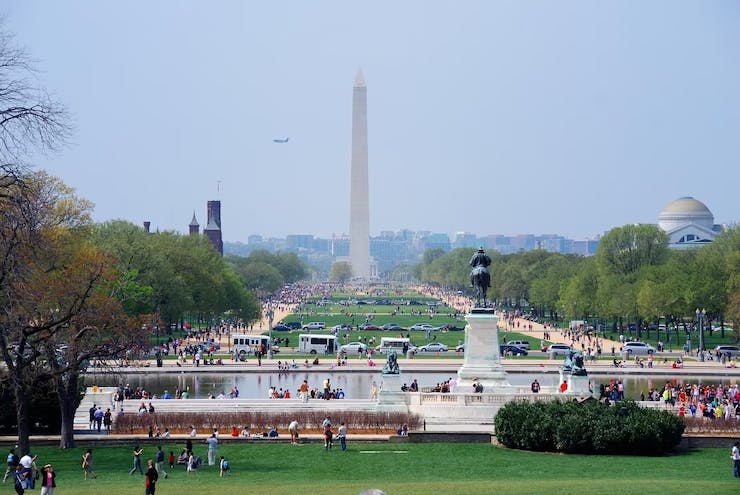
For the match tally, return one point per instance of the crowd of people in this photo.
(24, 473)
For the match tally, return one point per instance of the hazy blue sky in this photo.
(492, 117)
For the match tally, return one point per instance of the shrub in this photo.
(262, 421)
(588, 428)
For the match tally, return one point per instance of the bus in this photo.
(317, 344)
(245, 345)
(398, 344)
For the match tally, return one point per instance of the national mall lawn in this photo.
(397, 468)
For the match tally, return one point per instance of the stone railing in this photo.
(496, 400)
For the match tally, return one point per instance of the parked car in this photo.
(422, 327)
(460, 348)
(433, 347)
(352, 348)
(369, 326)
(524, 344)
(294, 325)
(314, 325)
(731, 350)
(342, 327)
(638, 348)
(512, 350)
(558, 349)
(281, 327)
(391, 326)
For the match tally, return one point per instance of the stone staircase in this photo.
(100, 396)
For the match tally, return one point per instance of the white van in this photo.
(244, 345)
(394, 344)
(317, 344)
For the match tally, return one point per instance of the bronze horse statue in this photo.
(480, 277)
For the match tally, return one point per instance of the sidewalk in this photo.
(557, 335)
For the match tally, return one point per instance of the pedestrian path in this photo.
(556, 335)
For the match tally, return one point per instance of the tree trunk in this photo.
(21, 410)
(67, 394)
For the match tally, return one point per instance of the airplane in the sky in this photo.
(281, 140)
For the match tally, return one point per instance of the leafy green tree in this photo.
(578, 294)
(261, 277)
(713, 278)
(426, 259)
(51, 277)
(450, 269)
(341, 272)
(549, 278)
(170, 274)
(626, 250)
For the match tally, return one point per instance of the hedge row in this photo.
(588, 428)
(180, 422)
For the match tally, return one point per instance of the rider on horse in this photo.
(480, 277)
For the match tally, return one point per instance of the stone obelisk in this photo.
(359, 213)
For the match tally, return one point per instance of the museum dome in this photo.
(686, 210)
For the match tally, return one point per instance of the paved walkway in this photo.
(662, 365)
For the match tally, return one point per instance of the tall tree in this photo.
(626, 250)
(30, 119)
(341, 271)
(39, 215)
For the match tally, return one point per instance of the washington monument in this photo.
(359, 213)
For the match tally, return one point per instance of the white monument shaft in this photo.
(359, 217)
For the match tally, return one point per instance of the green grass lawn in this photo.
(407, 469)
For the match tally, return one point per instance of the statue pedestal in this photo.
(578, 385)
(482, 357)
(390, 397)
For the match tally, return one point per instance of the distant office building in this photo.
(340, 246)
(295, 242)
(586, 247)
(388, 252)
(436, 241)
(466, 240)
(321, 246)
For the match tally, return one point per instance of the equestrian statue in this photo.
(480, 277)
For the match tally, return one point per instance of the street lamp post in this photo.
(700, 315)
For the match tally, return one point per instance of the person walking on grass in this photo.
(87, 464)
(160, 462)
(12, 463)
(328, 437)
(735, 456)
(137, 461)
(19, 478)
(150, 478)
(48, 480)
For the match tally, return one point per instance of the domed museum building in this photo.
(688, 223)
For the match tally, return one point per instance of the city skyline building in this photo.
(359, 217)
